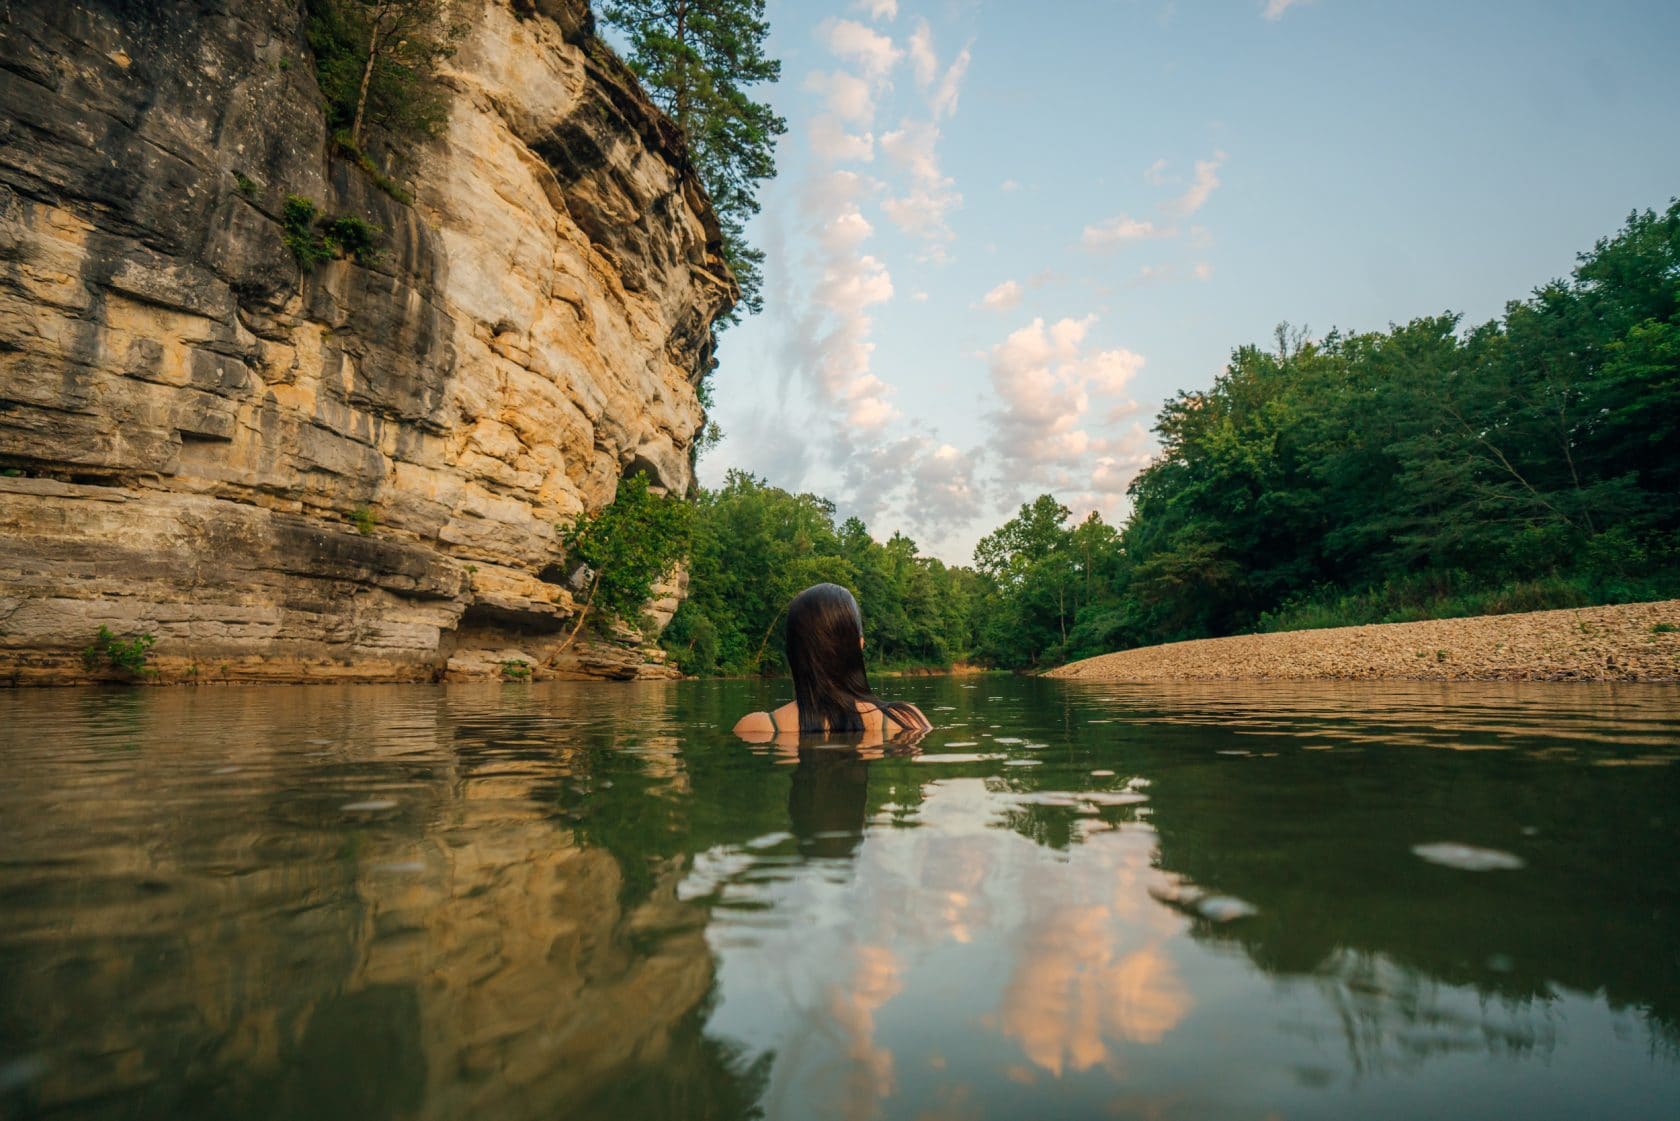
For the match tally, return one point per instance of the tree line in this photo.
(1424, 471)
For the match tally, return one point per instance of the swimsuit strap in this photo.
(772, 715)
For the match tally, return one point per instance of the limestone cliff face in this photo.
(352, 471)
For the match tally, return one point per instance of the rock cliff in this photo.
(352, 471)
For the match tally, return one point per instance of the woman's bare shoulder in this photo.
(760, 723)
(753, 722)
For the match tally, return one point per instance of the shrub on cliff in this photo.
(629, 546)
(315, 238)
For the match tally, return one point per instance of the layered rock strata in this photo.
(355, 470)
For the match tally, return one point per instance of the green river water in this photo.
(592, 901)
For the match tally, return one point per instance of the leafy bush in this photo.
(128, 655)
(314, 238)
(630, 546)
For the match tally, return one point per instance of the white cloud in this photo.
(1275, 8)
(921, 213)
(1156, 173)
(921, 210)
(845, 231)
(1203, 271)
(927, 483)
(1045, 379)
(845, 95)
(923, 61)
(919, 297)
(1200, 188)
(1121, 229)
(878, 9)
(833, 144)
(873, 52)
(1003, 297)
(944, 494)
(830, 343)
(848, 287)
(913, 146)
(1009, 186)
(943, 100)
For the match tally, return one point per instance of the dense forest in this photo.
(1424, 471)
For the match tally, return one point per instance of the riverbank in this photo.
(1622, 642)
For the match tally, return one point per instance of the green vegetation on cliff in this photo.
(698, 58)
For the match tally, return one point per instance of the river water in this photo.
(591, 901)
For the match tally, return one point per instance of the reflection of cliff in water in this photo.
(450, 951)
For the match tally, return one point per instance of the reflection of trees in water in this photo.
(1388, 937)
(1393, 1018)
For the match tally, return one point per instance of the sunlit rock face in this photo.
(353, 471)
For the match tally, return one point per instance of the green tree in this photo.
(698, 58)
(629, 546)
(756, 546)
(377, 62)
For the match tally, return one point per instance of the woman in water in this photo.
(831, 693)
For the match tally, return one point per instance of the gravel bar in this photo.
(1623, 642)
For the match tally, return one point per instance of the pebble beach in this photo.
(1623, 642)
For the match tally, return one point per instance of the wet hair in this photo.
(825, 654)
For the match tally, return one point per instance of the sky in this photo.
(1001, 235)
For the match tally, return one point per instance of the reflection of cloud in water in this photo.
(875, 979)
(1094, 972)
(1072, 992)
(1066, 967)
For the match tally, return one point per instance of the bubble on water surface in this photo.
(1233, 751)
(1189, 898)
(964, 743)
(1102, 774)
(1467, 858)
(959, 757)
(1224, 908)
(369, 806)
(1009, 739)
(1025, 763)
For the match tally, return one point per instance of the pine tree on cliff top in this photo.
(696, 57)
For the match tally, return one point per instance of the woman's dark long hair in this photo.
(825, 653)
